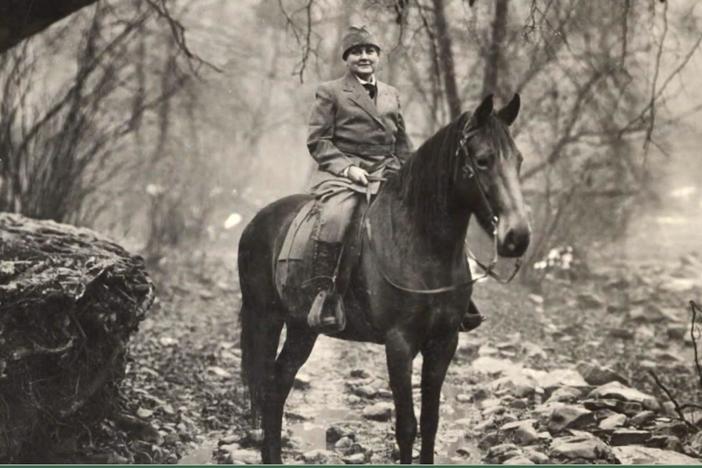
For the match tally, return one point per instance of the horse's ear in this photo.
(483, 111)
(508, 114)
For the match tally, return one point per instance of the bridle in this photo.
(471, 172)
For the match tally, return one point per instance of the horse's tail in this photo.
(252, 360)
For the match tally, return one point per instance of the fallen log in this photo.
(69, 301)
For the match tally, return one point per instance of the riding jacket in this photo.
(347, 128)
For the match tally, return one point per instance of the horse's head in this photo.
(488, 176)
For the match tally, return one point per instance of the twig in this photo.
(678, 408)
(694, 309)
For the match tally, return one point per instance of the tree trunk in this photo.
(446, 57)
(493, 57)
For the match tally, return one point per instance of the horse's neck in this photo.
(436, 242)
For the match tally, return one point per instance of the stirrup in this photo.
(328, 324)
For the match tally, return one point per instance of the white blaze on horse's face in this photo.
(497, 161)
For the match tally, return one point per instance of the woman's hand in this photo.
(357, 175)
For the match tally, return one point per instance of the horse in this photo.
(411, 283)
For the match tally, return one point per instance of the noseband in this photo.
(471, 172)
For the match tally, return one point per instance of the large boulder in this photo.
(69, 301)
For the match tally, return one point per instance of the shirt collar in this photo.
(371, 81)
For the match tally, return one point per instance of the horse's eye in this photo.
(484, 161)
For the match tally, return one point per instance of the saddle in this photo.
(295, 263)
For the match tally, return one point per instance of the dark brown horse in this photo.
(411, 285)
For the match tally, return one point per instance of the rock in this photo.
(569, 416)
(355, 459)
(302, 382)
(378, 412)
(464, 398)
(488, 423)
(588, 448)
(536, 299)
(622, 333)
(595, 374)
(239, 456)
(621, 392)
(589, 301)
(629, 437)
(534, 351)
(676, 332)
(667, 442)
(321, 457)
(489, 440)
(612, 422)
(518, 460)
(516, 384)
(519, 403)
(647, 313)
(502, 452)
(491, 365)
(468, 344)
(365, 391)
(696, 442)
(562, 377)
(535, 456)
(565, 394)
(638, 455)
(523, 432)
(338, 431)
(664, 357)
(343, 444)
(643, 417)
(487, 350)
(359, 374)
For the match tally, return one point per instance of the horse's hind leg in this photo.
(437, 356)
(298, 345)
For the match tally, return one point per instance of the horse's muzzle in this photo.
(514, 242)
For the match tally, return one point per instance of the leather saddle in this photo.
(295, 263)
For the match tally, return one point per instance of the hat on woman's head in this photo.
(356, 36)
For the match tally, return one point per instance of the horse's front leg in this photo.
(399, 354)
(437, 355)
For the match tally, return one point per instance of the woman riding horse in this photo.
(411, 286)
(356, 135)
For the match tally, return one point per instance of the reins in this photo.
(488, 270)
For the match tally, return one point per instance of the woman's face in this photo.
(362, 60)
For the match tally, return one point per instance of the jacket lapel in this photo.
(359, 95)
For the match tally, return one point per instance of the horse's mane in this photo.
(426, 179)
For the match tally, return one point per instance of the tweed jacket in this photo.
(347, 128)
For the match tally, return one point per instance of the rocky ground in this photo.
(563, 376)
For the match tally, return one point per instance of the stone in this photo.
(569, 416)
(696, 442)
(359, 374)
(464, 398)
(321, 457)
(612, 422)
(302, 382)
(516, 384)
(239, 456)
(565, 394)
(365, 391)
(676, 332)
(489, 440)
(525, 433)
(338, 431)
(343, 444)
(595, 374)
(502, 452)
(643, 417)
(589, 301)
(492, 365)
(629, 437)
(667, 442)
(639, 455)
(535, 456)
(378, 412)
(518, 460)
(621, 333)
(588, 448)
(355, 459)
(562, 377)
(619, 391)
(519, 403)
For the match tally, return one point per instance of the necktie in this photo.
(371, 90)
